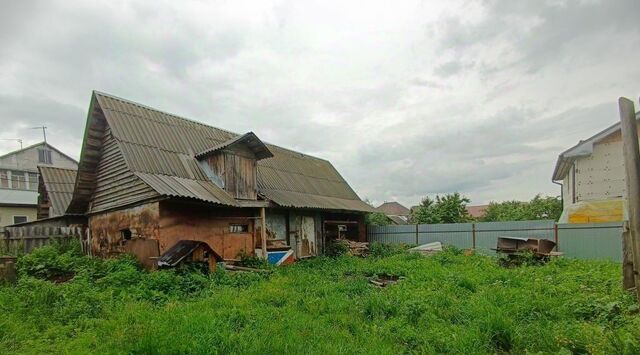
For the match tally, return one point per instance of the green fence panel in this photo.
(591, 240)
(457, 234)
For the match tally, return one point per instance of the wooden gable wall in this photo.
(236, 166)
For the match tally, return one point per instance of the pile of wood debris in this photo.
(355, 248)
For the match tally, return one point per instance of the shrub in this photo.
(336, 248)
(377, 249)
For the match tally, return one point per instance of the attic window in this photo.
(44, 156)
(126, 234)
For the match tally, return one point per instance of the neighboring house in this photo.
(55, 190)
(19, 180)
(397, 213)
(592, 176)
(148, 180)
(478, 211)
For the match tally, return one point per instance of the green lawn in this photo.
(449, 303)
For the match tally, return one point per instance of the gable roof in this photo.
(582, 149)
(59, 183)
(393, 209)
(161, 149)
(38, 145)
(249, 139)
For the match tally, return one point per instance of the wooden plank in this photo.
(631, 256)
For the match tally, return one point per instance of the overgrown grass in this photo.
(448, 303)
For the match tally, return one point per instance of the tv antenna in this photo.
(13, 139)
(44, 131)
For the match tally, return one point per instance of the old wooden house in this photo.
(147, 180)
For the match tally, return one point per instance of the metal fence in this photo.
(585, 241)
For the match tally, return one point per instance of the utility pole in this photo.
(631, 243)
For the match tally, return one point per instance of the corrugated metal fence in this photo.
(586, 241)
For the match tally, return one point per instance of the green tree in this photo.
(377, 219)
(449, 208)
(538, 208)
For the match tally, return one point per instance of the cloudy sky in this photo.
(406, 98)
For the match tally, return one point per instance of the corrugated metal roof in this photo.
(160, 148)
(258, 147)
(174, 186)
(59, 183)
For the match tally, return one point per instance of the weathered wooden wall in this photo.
(27, 237)
(180, 221)
(237, 169)
(108, 239)
(115, 184)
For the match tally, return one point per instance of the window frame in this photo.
(244, 228)
(45, 156)
(5, 181)
(18, 179)
(26, 219)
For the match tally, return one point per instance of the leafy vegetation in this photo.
(447, 303)
(449, 208)
(538, 208)
(377, 219)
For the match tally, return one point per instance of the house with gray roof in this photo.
(19, 180)
(148, 179)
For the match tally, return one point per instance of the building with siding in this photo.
(148, 179)
(592, 176)
(19, 180)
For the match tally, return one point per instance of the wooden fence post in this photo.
(555, 236)
(417, 235)
(632, 166)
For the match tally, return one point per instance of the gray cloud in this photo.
(480, 102)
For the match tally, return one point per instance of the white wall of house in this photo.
(599, 176)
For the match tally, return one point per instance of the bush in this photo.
(380, 250)
(336, 248)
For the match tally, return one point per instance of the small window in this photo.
(18, 181)
(239, 228)
(4, 179)
(126, 234)
(44, 156)
(19, 219)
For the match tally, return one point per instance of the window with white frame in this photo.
(18, 181)
(4, 179)
(33, 181)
